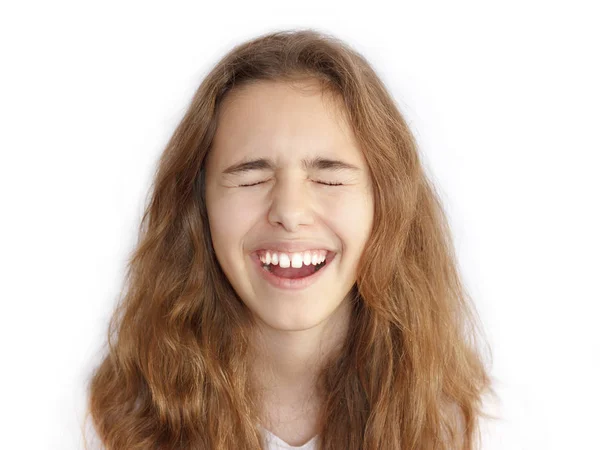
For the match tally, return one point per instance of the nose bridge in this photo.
(290, 203)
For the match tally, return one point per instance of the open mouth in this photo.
(293, 277)
(294, 272)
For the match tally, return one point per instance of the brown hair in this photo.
(410, 374)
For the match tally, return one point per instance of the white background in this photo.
(502, 96)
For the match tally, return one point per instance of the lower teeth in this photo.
(318, 267)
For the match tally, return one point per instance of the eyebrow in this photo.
(316, 163)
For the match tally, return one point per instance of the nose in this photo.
(291, 205)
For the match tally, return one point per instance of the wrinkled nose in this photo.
(291, 205)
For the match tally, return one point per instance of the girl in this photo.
(295, 283)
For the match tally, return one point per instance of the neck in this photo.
(288, 362)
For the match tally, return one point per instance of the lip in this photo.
(291, 283)
(292, 246)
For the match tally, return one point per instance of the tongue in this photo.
(293, 272)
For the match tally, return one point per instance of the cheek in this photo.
(352, 216)
(229, 219)
(231, 215)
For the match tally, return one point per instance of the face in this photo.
(291, 141)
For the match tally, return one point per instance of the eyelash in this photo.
(320, 182)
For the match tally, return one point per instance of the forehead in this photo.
(283, 121)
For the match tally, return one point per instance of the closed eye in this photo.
(329, 184)
(253, 184)
(320, 182)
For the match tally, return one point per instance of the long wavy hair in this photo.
(177, 369)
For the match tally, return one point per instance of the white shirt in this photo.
(273, 442)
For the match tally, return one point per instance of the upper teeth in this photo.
(296, 259)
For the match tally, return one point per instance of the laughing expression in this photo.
(289, 201)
